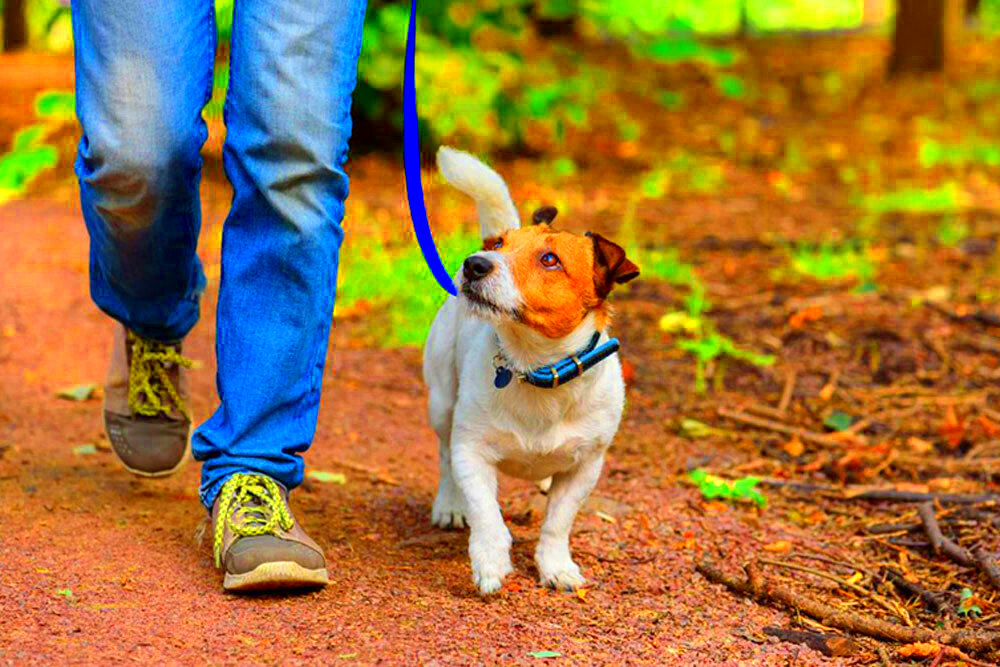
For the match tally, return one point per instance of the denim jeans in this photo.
(143, 74)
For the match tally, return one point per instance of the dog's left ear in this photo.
(545, 214)
(611, 266)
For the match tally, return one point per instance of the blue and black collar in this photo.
(559, 373)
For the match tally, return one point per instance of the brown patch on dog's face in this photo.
(561, 276)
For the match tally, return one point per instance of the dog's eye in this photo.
(495, 244)
(498, 244)
(550, 260)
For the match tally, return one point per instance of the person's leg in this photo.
(143, 74)
(293, 70)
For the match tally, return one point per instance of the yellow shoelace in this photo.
(150, 390)
(250, 505)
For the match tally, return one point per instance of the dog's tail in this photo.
(496, 209)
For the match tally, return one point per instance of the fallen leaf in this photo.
(838, 420)
(545, 654)
(794, 447)
(65, 592)
(919, 445)
(953, 429)
(855, 578)
(79, 392)
(83, 450)
(581, 594)
(920, 650)
(988, 426)
(327, 477)
(605, 517)
(780, 546)
(801, 318)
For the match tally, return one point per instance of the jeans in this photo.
(143, 74)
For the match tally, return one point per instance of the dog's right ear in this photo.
(611, 266)
(544, 215)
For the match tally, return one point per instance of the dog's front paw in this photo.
(448, 510)
(559, 572)
(489, 577)
(490, 555)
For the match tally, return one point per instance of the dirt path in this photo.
(142, 588)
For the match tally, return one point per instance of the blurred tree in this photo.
(15, 25)
(926, 31)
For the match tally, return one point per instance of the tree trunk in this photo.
(15, 26)
(918, 42)
(927, 35)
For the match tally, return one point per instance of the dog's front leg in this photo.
(569, 490)
(489, 539)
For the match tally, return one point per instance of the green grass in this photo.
(394, 287)
(946, 198)
(833, 262)
(933, 153)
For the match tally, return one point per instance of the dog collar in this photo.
(559, 373)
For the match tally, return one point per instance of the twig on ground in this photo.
(861, 590)
(770, 593)
(890, 495)
(883, 655)
(987, 564)
(827, 644)
(778, 427)
(786, 393)
(940, 543)
(927, 596)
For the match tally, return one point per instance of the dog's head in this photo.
(544, 279)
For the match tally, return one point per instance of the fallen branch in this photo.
(927, 596)
(987, 564)
(861, 590)
(940, 543)
(890, 495)
(767, 592)
(829, 645)
(778, 427)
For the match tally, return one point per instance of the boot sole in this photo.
(274, 576)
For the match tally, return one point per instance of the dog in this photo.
(522, 376)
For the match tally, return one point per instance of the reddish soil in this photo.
(96, 565)
(143, 589)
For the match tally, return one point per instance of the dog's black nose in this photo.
(476, 267)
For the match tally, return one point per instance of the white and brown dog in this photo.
(532, 309)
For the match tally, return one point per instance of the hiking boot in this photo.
(257, 540)
(146, 411)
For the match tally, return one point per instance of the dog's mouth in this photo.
(481, 303)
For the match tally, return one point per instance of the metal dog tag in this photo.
(503, 377)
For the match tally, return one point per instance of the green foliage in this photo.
(697, 332)
(967, 606)
(373, 276)
(834, 262)
(29, 155)
(743, 489)
(220, 83)
(27, 158)
(952, 231)
(838, 421)
(58, 105)
(933, 153)
(946, 198)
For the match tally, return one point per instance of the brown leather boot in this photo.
(258, 542)
(146, 412)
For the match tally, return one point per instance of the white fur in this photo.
(521, 430)
(496, 209)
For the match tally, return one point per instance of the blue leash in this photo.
(561, 372)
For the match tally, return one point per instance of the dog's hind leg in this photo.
(449, 505)
(569, 490)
